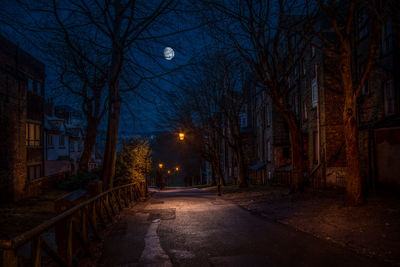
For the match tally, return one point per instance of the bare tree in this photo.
(346, 18)
(256, 30)
(210, 105)
(120, 23)
(88, 85)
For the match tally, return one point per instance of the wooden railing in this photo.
(82, 224)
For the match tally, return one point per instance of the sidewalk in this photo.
(372, 229)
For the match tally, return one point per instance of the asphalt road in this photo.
(191, 227)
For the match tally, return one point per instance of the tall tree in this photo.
(256, 30)
(120, 23)
(211, 106)
(346, 18)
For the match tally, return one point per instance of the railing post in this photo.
(10, 258)
(84, 225)
(69, 249)
(35, 252)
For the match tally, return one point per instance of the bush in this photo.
(133, 162)
(79, 180)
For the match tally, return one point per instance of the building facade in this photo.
(21, 119)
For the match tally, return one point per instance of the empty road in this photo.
(191, 227)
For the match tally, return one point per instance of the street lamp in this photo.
(177, 169)
(181, 136)
(160, 165)
(169, 171)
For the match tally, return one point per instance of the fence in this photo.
(82, 224)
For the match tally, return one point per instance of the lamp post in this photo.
(160, 176)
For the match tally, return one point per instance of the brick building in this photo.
(378, 105)
(272, 144)
(21, 119)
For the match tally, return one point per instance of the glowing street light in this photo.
(181, 136)
(169, 171)
(160, 165)
(177, 169)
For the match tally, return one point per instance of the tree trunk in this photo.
(110, 154)
(89, 143)
(354, 194)
(242, 179)
(114, 100)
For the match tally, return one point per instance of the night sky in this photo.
(140, 112)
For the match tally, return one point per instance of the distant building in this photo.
(65, 140)
(21, 120)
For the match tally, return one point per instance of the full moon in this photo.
(169, 53)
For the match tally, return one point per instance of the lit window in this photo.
(32, 134)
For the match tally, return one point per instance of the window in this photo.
(295, 106)
(365, 89)
(389, 96)
(305, 114)
(268, 111)
(40, 88)
(34, 171)
(286, 152)
(243, 117)
(314, 93)
(79, 146)
(387, 38)
(243, 121)
(32, 134)
(315, 147)
(362, 24)
(269, 152)
(50, 140)
(61, 141)
(30, 84)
